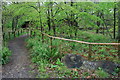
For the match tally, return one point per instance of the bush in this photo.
(5, 53)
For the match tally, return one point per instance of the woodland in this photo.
(88, 29)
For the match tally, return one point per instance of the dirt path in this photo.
(19, 65)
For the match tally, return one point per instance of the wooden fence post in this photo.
(3, 36)
(9, 35)
(18, 33)
(34, 33)
(119, 55)
(21, 31)
(90, 52)
(42, 38)
(119, 50)
(13, 33)
(3, 39)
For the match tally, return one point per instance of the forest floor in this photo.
(20, 64)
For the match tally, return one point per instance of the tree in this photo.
(114, 31)
(118, 36)
(1, 31)
(119, 22)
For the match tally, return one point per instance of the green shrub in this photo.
(5, 53)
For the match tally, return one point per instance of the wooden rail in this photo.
(30, 31)
(12, 34)
(83, 42)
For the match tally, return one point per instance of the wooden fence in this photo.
(12, 34)
(30, 31)
(87, 43)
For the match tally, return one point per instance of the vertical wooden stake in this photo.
(119, 55)
(42, 38)
(9, 35)
(3, 39)
(13, 33)
(3, 36)
(3, 43)
(18, 33)
(119, 50)
(34, 33)
(90, 52)
(21, 31)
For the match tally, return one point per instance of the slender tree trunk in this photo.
(53, 24)
(119, 33)
(119, 30)
(76, 32)
(1, 30)
(71, 17)
(48, 17)
(14, 23)
(40, 22)
(98, 23)
(114, 23)
(106, 26)
(102, 16)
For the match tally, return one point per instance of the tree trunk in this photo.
(14, 23)
(40, 22)
(48, 17)
(114, 23)
(53, 24)
(1, 29)
(119, 32)
(119, 22)
(98, 23)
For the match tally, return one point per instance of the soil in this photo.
(20, 64)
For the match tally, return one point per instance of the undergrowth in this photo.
(48, 55)
(5, 54)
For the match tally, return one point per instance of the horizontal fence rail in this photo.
(30, 31)
(83, 42)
